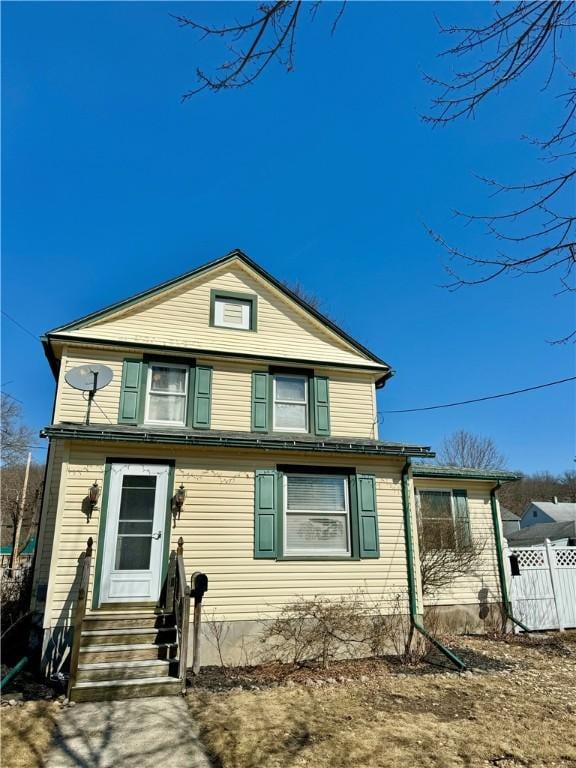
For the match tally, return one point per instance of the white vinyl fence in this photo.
(543, 596)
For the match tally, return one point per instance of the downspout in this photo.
(500, 558)
(13, 672)
(414, 621)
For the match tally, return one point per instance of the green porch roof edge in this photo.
(233, 440)
(234, 254)
(463, 473)
(6, 549)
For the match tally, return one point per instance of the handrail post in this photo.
(79, 613)
(182, 615)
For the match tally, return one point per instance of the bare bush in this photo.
(321, 630)
(445, 555)
(216, 632)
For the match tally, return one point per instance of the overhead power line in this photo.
(22, 328)
(482, 399)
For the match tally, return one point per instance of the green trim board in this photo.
(233, 255)
(269, 516)
(171, 464)
(215, 293)
(101, 534)
(462, 473)
(81, 341)
(235, 440)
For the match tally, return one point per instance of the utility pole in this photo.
(20, 506)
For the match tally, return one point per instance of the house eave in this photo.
(462, 473)
(233, 440)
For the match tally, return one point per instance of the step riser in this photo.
(118, 692)
(128, 639)
(128, 623)
(128, 673)
(142, 654)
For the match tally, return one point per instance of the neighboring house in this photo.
(548, 512)
(510, 521)
(26, 554)
(245, 422)
(560, 535)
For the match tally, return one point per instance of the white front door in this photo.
(134, 537)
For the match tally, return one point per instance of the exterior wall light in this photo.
(93, 496)
(178, 502)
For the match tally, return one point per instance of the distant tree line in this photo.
(540, 486)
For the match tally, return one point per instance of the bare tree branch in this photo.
(539, 230)
(270, 35)
(463, 449)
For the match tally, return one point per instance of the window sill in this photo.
(317, 558)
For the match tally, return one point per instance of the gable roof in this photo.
(234, 255)
(535, 534)
(560, 512)
(507, 516)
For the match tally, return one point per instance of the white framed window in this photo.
(232, 313)
(316, 515)
(290, 403)
(443, 519)
(166, 394)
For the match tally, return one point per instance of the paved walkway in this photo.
(136, 733)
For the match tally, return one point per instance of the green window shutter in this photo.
(202, 397)
(367, 516)
(260, 395)
(130, 389)
(321, 405)
(265, 514)
(462, 519)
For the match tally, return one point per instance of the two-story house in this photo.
(243, 423)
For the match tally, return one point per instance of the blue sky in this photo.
(325, 176)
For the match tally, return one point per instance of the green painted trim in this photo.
(262, 402)
(143, 393)
(243, 258)
(251, 297)
(354, 522)
(101, 534)
(500, 560)
(167, 523)
(82, 341)
(339, 558)
(409, 548)
(190, 403)
(104, 514)
(464, 473)
(202, 375)
(219, 440)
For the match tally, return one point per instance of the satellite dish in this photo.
(89, 378)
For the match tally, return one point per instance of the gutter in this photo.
(414, 621)
(506, 605)
(143, 436)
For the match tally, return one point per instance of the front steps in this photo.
(127, 654)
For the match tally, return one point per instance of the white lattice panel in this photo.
(565, 557)
(531, 558)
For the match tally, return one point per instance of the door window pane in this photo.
(136, 518)
(133, 553)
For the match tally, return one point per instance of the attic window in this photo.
(233, 310)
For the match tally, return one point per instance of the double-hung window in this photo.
(316, 515)
(166, 394)
(290, 403)
(444, 522)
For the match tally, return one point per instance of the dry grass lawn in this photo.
(520, 712)
(26, 733)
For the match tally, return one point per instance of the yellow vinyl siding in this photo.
(217, 525)
(48, 521)
(351, 394)
(180, 317)
(71, 404)
(465, 590)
